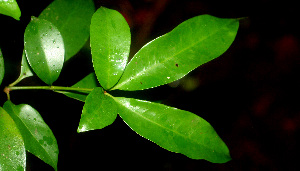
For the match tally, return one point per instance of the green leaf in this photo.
(173, 55)
(72, 18)
(25, 68)
(90, 81)
(44, 48)
(38, 137)
(110, 44)
(2, 68)
(12, 149)
(10, 8)
(173, 129)
(98, 111)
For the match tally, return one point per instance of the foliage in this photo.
(12, 148)
(10, 8)
(55, 37)
(44, 48)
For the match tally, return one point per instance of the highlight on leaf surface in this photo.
(38, 137)
(110, 45)
(44, 48)
(12, 148)
(72, 18)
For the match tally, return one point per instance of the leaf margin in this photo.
(128, 81)
(33, 37)
(109, 61)
(222, 158)
(97, 104)
(12, 111)
(49, 14)
(18, 158)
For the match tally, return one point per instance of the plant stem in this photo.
(54, 88)
(17, 81)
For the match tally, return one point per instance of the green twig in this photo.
(18, 80)
(53, 88)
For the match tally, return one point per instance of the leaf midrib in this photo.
(165, 59)
(179, 134)
(15, 113)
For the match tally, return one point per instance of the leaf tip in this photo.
(33, 18)
(17, 18)
(81, 129)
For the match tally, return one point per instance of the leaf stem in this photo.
(53, 88)
(17, 81)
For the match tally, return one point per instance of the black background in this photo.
(250, 94)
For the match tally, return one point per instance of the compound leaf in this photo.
(10, 8)
(173, 129)
(12, 149)
(2, 69)
(38, 137)
(72, 18)
(173, 55)
(98, 111)
(110, 44)
(44, 48)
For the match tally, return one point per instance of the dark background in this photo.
(250, 94)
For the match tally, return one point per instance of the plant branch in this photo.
(53, 88)
(18, 80)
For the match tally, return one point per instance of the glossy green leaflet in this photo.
(10, 8)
